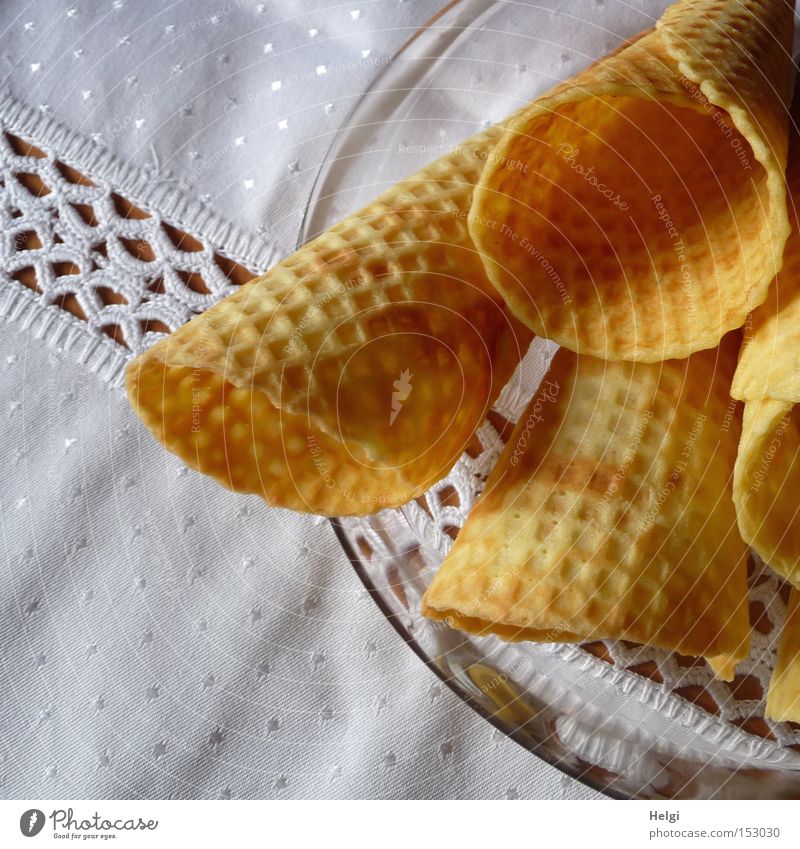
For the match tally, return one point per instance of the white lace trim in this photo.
(76, 239)
(63, 331)
(142, 186)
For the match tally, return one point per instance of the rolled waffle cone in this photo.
(652, 215)
(609, 515)
(767, 474)
(352, 375)
(767, 379)
(783, 697)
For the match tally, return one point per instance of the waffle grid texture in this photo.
(655, 189)
(766, 380)
(394, 295)
(609, 514)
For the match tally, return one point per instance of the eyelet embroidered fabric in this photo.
(100, 261)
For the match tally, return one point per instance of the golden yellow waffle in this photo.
(769, 363)
(609, 515)
(766, 481)
(723, 666)
(652, 214)
(238, 437)
(783, 698)
(381, 344)
(767, 474)
(359, 367)
(768, 380)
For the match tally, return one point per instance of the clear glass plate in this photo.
(627, 720)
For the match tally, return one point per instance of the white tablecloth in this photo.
(159, 635)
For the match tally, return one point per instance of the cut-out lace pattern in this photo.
(95, 267)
